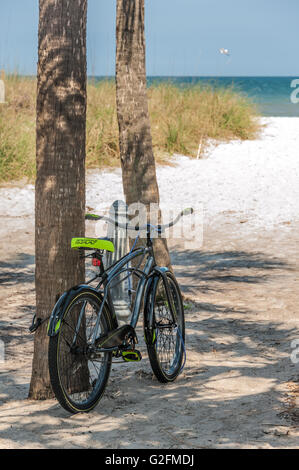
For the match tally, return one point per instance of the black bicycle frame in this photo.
(107, 276)
(114, 271)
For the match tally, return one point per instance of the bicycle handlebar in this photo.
(137, 228)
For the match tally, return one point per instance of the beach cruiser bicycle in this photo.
(85, 337)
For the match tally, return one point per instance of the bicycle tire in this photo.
(166, 370)
(59, 355)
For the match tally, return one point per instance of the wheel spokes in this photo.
(167, 336)
(79, 373)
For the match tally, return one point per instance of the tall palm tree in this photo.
(60, 164)
(135, 140)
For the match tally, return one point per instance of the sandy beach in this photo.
(255, 179)
(239, 387)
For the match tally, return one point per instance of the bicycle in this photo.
(84, 331)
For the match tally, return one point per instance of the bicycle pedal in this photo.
(131, 356)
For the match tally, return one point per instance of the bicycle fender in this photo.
(150, 292)
(56, 315)
(162, 271)
(62, 303)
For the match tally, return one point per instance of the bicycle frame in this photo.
(107, 276)
(144, 275)
(113, 271)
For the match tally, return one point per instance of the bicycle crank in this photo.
(124, 334)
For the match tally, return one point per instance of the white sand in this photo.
(239, 387)
(257, 180)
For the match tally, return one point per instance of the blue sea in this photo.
(272, 95)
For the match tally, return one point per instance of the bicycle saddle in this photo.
(92, 244)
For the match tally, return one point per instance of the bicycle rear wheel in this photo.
(167, 349)
(79, 377)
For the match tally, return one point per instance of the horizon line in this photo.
(170, 76)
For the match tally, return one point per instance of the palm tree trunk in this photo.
(135, 140)
(60, 157)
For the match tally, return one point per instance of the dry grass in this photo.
(181, 120)
(17, 130)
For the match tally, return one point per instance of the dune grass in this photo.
(182, 121)
(17, 129)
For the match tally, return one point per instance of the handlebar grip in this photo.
(187, 211)
(92, 217)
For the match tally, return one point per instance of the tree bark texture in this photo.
(60, 165)
(135, 140)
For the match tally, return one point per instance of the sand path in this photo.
(239, 387)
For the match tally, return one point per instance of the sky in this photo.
(183, 37)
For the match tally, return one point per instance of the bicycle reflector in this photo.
(96, 262)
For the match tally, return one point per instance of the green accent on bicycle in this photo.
(92, 243)
(92, 216)
(57, 326)
(131, 356)
(154, 336)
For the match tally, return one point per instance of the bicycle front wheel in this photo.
(79, 377)
(167, 349)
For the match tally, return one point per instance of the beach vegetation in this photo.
(184, 120)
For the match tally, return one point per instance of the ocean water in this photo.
(272, 95)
